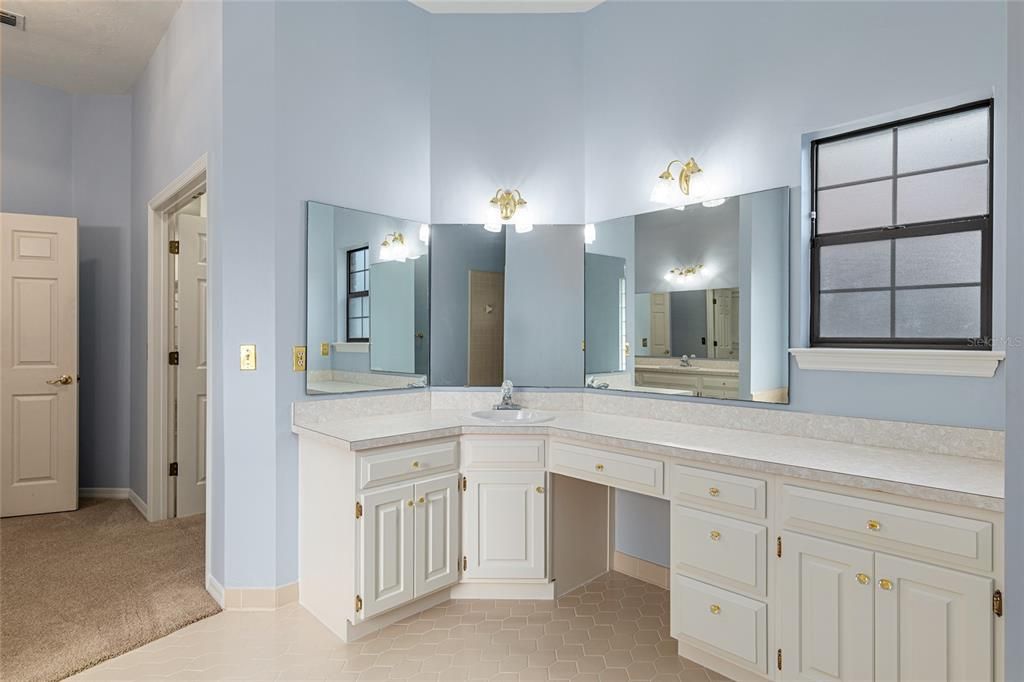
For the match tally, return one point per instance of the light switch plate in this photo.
(298, 358)
(325, 349)
(247, 357)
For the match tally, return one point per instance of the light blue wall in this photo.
(642, 526)
(322, 283)
(393, 317)
(602, 278)
(618, 238)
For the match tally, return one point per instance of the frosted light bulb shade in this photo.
(424, 233)
(664, 191)
(492, 227)
(698, 186)
(385, 252)
(522, 220)
(523, 227)
(589, 233)
(680, 207)
(712, 203)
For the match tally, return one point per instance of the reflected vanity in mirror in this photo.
(367, 301)
(692, 302)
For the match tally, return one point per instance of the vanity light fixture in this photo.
(712, 203)
(589, 233)
(424, 233)
(508, 205)
(664, 191)
(680, 275)
(393, 248)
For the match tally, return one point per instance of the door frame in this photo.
(159, 384)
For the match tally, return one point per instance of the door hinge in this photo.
(174, 247)
(465, 563)
(359, 603)
(583, 345)
(464, 479)
(359, 510)
(778, 546)
(997, 603)
(172, 469)
(172, 358)
(778, 660)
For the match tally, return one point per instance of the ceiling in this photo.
(505, 6)
(83, 46)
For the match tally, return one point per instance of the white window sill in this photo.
(351, 347)
(950, 363)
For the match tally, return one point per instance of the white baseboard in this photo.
(641, 570)
(215, 589)
(503, 590)
(259, 598)
(115, 494)
(139, 504)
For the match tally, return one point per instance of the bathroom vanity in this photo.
(792, 558)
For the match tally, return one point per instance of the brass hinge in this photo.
(778, 659)
(464, 484)
(359, 603)
(465, 563)
(174, 246)
(172, 469)
(778, 546)
(583, 345)
(359, 510)
(172, 358)
(997, 603)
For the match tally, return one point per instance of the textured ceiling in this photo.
(83, 46)
(505, 6)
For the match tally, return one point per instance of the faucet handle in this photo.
(506, 385)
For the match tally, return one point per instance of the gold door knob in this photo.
(863, 578)
(540, 489)
(874, 525)
(885, 584)
(713, 492)
(715, 609)
(62, 380)
(715, 536)
(422, 500)
(415, 464)
(599, 467)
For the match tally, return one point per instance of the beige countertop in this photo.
(924, 475)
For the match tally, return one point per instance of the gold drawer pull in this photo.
(599, 467)
(874, 525)
(885, 584)
(415, 464)
(863, 578)
(713, 492)
(422, 500)
(715, 609)
(715, 536)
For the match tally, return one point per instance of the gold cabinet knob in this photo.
(885, 584)
(713, 492)
(874, 525)
(62, 380)
(715, 536)
(422, 500)
(540, 489)
(410, 503)
(715, 609)
(863, 578)
(598, 467)
(415, 464)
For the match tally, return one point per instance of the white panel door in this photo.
(660, 337)
(387, 542)
(827, 601)
(726, 331)
(437, 534)
(505, 522)
(38, 364)
(191, 400)
(931, 623)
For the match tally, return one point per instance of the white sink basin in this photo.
(513, 416)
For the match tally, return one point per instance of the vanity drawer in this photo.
(683, 382)
(712, 381)
(735, 625)
(609, 468)
(720, 549)
(715, 490)
(491, 452)
(400, 464)
(943, 537)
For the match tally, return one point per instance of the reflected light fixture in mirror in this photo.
(393, 248)
(508, 205)
(680, 275)
(589, 233)
(664, 190)
(424, 233)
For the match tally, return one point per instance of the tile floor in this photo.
(614, 629)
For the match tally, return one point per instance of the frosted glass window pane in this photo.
(857, 158)
(946, 141)
(946, 194)
(940, 259)
(855, 266)
(855, 315)
(939, 313)
(855, 207)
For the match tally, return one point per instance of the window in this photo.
(358, 327)
(901, 253)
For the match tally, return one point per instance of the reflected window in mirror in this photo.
(358, 300)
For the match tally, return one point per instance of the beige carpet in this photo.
(80, 587)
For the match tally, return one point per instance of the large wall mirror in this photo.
(692, 302)
(367, 301)
(506, 305)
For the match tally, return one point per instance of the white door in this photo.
(387, 549)
(437, 534)
(931, 623)
(38, 364)
(660, 337)
(827, 601)
(505, 522)
(191, 401)
(726, 332)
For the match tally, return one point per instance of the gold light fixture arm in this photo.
(508, 201)
(689, 169)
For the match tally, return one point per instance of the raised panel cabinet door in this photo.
(931, 623)
(387, 543)
(437, 533)
(38, 364)
(826, 596)
(505, 525)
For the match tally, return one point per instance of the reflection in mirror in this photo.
(367, 301)
(692, 302)
(506, 305)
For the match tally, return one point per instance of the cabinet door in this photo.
(505, 525)
(931, 623)
(437, 533)
(386, 541)
(826, 596)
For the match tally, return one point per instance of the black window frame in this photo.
(982, 224)
(350, 294)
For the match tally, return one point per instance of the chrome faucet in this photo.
(506, 397)
(685, 361)
(593, 383)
